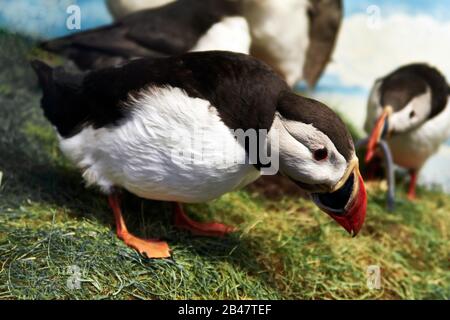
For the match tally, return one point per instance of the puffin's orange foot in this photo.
(412, 185)
(209, 229)
(149, 248)
(412, 196)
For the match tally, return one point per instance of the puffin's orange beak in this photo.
(347, 202)
(377, 132)
(355, 212)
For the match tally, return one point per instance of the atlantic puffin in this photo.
(134, 127)
(409, 109)
(295, 37)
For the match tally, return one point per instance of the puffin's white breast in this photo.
(229, 34)
(280, 34)
(172, 147)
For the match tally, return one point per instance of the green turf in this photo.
(51, 226)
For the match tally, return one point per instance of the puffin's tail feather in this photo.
(62, 100)
(50, 98)
(56, 45)
(43, 71)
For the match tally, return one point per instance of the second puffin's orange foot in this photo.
(153, 249)
(412, 197)
(210, 229)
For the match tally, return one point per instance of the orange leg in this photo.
(149, 248)
(412, 185)
(198, 228)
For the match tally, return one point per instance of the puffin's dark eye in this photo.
(412, 114)
(320, 154)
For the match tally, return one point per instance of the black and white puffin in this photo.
(409, 109)
(176, 28)
(132, 126)
(295, 37)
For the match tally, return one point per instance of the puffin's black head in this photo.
(316, 151)
(407, 98)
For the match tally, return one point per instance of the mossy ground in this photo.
(51, 226)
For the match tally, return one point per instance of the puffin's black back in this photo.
(245, 92)
(168, 30)
(243, 89)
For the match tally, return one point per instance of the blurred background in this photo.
(376, 37)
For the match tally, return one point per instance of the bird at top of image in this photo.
(122, 8)
(133, 127)
(295, 37)
(409, 109)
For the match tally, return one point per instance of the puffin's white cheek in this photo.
(294, 162)
(400, 122)
(295, 159)
(309, 171)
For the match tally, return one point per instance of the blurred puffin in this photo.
(176, 28)
(295, 37)
(125, 127)
(409, 109)
(122, 8)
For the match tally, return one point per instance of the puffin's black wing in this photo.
(167, 30)
(242, 89)
(99, 47)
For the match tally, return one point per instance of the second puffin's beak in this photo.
(378, 132)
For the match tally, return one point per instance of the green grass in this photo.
(285, 249)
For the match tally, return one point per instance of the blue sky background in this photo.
(439, 9)
(47, 18)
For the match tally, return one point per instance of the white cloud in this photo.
(364, 53)
(436, 171)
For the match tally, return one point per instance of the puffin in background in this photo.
(409, 109)
(129, 127)
(173, 29)
(295, 37)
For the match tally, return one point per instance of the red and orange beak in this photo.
(377, 133)
(347, 201)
